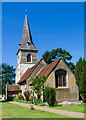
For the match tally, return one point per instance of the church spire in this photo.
(27, 53)
(26, 40)
(26, 36)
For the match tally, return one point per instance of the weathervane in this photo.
(25, 12)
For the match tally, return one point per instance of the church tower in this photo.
(27, 53)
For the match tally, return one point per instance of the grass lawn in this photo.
(75, 108)
(16, 111)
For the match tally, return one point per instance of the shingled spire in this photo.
(26, 40)
(27, 55)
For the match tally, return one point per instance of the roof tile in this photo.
(28, 72)
(47, 69)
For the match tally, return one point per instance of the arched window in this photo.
(60, 78)
(28, 58)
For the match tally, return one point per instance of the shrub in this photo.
(41, 104)
(50, 95)
(22, 101)
(29, 102)
(14, 99)
(10, 98)
(32, 98)
(37, 101)
(46, 94)
(27, 94)
(18, 97)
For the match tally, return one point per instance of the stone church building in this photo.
(58, 73)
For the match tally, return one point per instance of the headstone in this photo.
(31, 107)
(46, 103)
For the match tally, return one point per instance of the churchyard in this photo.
(16, 111)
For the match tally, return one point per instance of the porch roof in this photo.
(12, 88)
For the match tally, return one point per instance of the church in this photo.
(59, 75)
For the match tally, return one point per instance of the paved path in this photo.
(46, 108)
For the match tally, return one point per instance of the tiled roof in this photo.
(47, 69)
(13, 88)
(28, 72)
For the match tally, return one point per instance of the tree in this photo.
(38, 84)
(55, 54)
(80, 75)
(7, 74)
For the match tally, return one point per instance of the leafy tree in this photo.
(56, 53)
(38, 84)
(80, 75)
(7, 74)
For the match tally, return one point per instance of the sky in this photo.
(52, 25)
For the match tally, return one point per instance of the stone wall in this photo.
(24, 56)
(23, 65)
(64, 94)
(68, 92)
(38, 68)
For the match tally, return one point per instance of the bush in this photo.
(32, 98)
(10, 98)
(50, 95)
(18, 97)
(15, 98)
(29, 102)
(22, 101)
(27, 94)
(46, 94)
(41, 104)
(37, 101)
